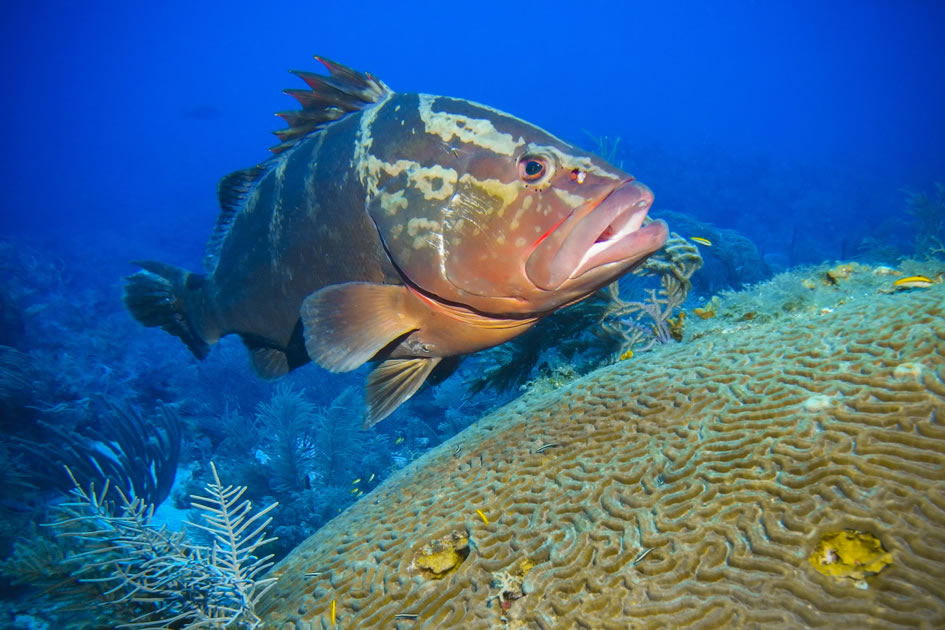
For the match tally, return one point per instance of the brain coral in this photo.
(685, 488)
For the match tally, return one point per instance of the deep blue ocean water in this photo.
(756, 115)
(804, 126)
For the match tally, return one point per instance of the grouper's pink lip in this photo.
(603, 232)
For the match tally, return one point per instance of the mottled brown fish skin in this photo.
(299, 231)
(403, 228)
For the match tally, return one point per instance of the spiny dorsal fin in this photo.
(331, 97)
(231, 192)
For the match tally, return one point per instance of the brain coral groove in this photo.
(685, 488)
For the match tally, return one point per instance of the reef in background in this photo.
(708, 484)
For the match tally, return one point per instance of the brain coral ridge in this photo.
(685, 488)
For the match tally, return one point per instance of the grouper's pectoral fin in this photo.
(347, 324)
(393, 382)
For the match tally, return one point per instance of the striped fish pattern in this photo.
(400, 229)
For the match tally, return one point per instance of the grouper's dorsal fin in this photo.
(331, 97)
(231, 192)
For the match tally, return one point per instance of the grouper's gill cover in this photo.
(398, 228)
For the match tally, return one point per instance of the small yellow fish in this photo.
(332, 612)
(701, 241)
(353, 490)
(482, 516)
(399, 440)
(371, 478)
(356, 481)
(913, 282)
(360, 492)
(628, 354)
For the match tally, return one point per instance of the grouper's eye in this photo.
(532, 168)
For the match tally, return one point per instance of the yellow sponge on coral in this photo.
(850, 553)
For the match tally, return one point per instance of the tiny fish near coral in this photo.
(403, 229)
(913, 282)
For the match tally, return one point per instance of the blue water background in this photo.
(759, 116)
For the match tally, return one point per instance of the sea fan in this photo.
(167, 579)
(236, 538)
(288, 418)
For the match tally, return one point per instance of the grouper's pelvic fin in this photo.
(392, 383)
(270, 361)
(163, 295)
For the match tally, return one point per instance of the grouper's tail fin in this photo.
(167, 296)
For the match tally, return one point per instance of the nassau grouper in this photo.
(401, 229)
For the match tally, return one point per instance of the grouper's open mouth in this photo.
(604, 232)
